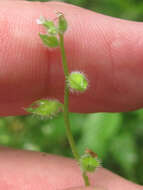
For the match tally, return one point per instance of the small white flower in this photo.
(40, 20)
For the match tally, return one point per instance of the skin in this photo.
(108, 50)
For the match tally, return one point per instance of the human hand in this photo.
(25, 170)
(108, 49)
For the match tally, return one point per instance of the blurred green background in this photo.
(117, 138)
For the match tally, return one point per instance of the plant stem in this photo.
(66, 100)
(86, 180)
(66, 107)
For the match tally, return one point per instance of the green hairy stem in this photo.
(66, 107)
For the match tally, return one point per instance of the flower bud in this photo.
(77, 81)
(62, 23)
(40, 20)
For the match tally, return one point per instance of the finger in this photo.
(13, 0)
(34, 171)
(108, 50)
(85, 188)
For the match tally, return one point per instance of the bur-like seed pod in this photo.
(89, 163)
(45, 108)
(77, 81)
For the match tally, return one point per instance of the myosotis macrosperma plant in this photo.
(74, 81)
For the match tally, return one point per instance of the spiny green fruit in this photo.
(45, 108)
(89, 163)
(77, 81)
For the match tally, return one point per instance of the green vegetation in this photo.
(117, 138)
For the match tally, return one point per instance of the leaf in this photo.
(48, 24)
(52, 30)
(50, 41)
